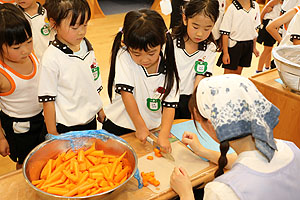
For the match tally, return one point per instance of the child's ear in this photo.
(184, 19)
(52, 23)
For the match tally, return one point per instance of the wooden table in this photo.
(288, 102)
(13, 185)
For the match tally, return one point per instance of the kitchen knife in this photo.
(156, 145)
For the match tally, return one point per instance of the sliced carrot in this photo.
(46, 170)
(92, 159)
(70, 154)
(122, 174)
(90, 150)
(150, 157)
(36, 182)
(57, 191)
(80, 157)
(97, 153)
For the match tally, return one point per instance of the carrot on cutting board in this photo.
(83, 172)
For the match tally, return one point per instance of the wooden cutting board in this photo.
(163, 167)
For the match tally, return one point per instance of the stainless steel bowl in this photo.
(287, 60)
(39, 156)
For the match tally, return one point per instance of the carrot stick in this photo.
(118, 169)
(36, 182)
(72, 177)
(92, 159)
(85, 188)
(97, 191)
(53, 178)
(83, 178)
(90, 150)
(121, 175)
(97, 153)
(46, 170)
(70, 154)
(76, 168)
(57, 191)
(81, 156)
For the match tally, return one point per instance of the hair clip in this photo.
(121, 29)
(168, 31)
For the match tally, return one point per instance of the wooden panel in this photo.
(288, 102)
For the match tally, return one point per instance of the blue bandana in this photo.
(236, 108)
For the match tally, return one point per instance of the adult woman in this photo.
(233, 112)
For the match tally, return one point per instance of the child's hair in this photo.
(224, 146)
(60, 9)
(14, 27)
(142, 30)
(208, 8)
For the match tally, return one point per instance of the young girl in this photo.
(41, 30)
(239, 34)
(234, 113)
(290, 20)
(268, 13)
(21, 114)
(195, 50)
(70, 80)
(145, 79)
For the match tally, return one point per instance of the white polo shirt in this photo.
(72, 81)
(145, 88)
(239, 23)
(188, 64)
(289, 4)
(41, 33)
(216, 29)
(275, 12)
(293, 31)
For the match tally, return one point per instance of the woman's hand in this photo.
(226, 58)
(181, 184)
(189, 138)
(4, 147)
(142, 133)
(164, 143)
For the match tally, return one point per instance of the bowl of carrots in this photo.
(80, 165)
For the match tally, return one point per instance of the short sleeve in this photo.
(124, 74)
(47, 90)
(294, 28)
(172, 99)
(218, 191)
(226, 24)
(210, 56)
(257, 21)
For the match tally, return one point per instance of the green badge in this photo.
(45, 30)
(153, 104)
(200, 67)
(96, 72)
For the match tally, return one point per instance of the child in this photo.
(70, 80)
(41, 31)
(144, 78)
(238, 30)
(21, 114)
(216, 29)
(195, 50)
(287, 19)
(265, 168)
(288, 4)
(268, 13)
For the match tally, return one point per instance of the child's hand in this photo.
(101, 116)
(165, 144)
(4, 147)
(142, 133)
(226, 59)
(181, 184)
(256, 52)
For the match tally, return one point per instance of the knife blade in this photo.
(164, 154)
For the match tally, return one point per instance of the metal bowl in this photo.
(287, 60)
(39, 156)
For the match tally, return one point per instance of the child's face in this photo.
(18, 53)
(148, 58)
(25, 3)
(199, 27)
(71, 35)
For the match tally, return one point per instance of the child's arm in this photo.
(132, 109)
(273, 27)
(268, 8)
(226, 58)
(166, 124)
(255, 51)
(197, 80)
(101, 114)
(4, 147)
(50, 119)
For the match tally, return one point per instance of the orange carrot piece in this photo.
(72, 177)
(57, 191)
(103, 183)
(97, 191)
(85, 188)
(81, 157)
(96, 168)
(70, 154)
(106, 188)
(76, 168)
(58, 161)
(150, 157)
(84, 177)
(90, 150)
(104, 160)
(118, 169)
(46, 170)
(97, 153)
(156, 150)
(92, 159)
(88, 163)
(121, 175)
(36, 182)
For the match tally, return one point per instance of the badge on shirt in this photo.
(95, 70)
(45, 30)
(200, 67)
(153, 104)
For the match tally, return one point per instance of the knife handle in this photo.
(150, 140)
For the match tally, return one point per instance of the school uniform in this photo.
(289, 4)
(21, 114)
(41, 31)
(264, 36)
(199, 63)
(293, 30)
(147, 90)
(216, 29)
(240, 25)
(72, 80)
(253, 177)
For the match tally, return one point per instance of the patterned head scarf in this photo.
(236, 109)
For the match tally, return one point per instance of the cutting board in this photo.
(163, 167)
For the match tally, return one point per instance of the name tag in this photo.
(200, 67)
(153, 104)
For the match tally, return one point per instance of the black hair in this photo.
(209, 8)
(14, 27)
(60, 9)
(144, 29)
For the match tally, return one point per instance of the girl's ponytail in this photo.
(224, 147)
(115, 48)
(171, 72)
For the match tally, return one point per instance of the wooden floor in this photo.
(101, 32)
